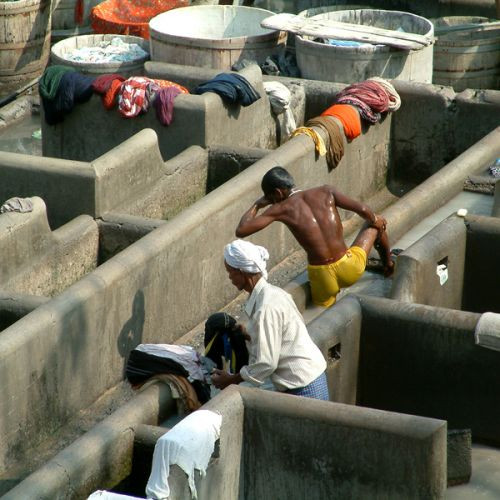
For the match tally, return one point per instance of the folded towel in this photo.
(487, 333)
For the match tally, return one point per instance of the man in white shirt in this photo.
(280, 346)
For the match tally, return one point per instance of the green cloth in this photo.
(49, 82)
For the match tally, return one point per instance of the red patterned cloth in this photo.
(135, 95)
(129, 17)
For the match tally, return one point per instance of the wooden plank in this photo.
(345, 31)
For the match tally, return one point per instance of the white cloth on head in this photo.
(487, 333)
(189, 444)
(247, 257)
(279, 96)
(108, 495)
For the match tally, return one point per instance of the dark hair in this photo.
(277, 178)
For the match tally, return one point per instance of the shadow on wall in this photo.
(131, 334)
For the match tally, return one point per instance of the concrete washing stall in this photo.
(143, 295)
(39, 262)
(467, 248)
(382, 453)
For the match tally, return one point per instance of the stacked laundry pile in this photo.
(368, 100)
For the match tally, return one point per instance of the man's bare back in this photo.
(312, 217)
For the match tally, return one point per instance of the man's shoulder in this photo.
(272, 295)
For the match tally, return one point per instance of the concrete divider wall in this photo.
(100, 458)
(482, 278)
(431, 115)
(13, 306)
(202, 120)
(423, 360)
(340, 451)
(496, 204)
(147, 293)
(416, 279)
(336, 332)
(55, 181)
(160, 190)
(131, 178)
(37, 261)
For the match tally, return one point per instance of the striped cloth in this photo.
(317, 389)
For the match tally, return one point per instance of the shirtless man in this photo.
(313, 218)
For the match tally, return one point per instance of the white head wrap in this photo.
(247, 257)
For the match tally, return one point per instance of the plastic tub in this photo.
(319, 61)
(214, 36)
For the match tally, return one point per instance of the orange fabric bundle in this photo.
(349, 117)
(165, 84)
(129, 17)
(109, 98)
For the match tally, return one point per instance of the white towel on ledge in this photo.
(487, 333)
(189, 444)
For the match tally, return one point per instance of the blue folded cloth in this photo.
(233, 88)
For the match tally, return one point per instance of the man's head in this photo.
(245, 263)
(277, 184)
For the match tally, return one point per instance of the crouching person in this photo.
(280, 345)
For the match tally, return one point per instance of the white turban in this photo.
(247, 257)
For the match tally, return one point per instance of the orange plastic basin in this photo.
(129, 17)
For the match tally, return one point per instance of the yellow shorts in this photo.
(327, 280)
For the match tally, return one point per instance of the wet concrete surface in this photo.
(18, 137)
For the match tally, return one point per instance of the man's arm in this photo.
(343, 201)
(251, 223)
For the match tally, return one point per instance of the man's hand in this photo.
(379, 223)
(262, 202)
(222, 379)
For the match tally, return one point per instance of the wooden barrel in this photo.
(65, 22)
(24, 41)
(467, 53)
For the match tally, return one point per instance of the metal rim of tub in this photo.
(107, 67)
(216, 42)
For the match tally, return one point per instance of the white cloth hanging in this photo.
(487, 333)
(279, 96)
(189, 444)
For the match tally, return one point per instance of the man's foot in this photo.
(389, 269)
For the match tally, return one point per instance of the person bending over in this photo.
(313, 218)
(280, 345)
